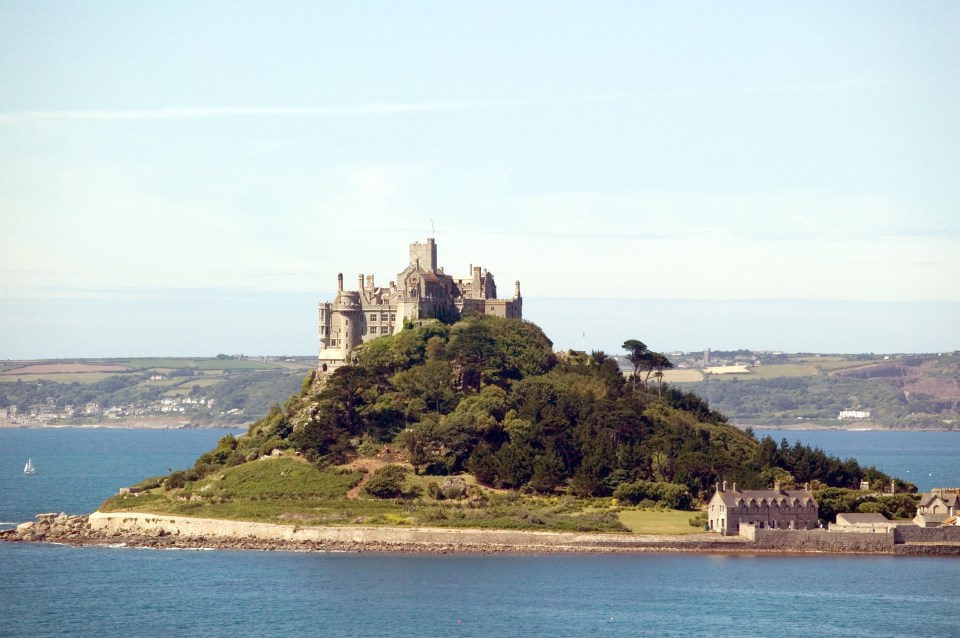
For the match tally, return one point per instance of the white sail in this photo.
(28, 468)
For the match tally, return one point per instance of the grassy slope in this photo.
(288, 490)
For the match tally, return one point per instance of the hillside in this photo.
(165, 392)
(481, 424)
(899, 391)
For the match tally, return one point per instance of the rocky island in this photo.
(440, 420)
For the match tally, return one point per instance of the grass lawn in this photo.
(658, 522)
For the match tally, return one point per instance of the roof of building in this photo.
(857, 518)
(733, 498)
(933, 518)
(951, 498)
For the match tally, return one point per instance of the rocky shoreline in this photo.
(163, 532)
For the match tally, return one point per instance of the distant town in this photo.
(165, 392)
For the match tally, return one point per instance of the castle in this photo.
(421, 291)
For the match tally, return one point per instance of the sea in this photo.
(58, 590)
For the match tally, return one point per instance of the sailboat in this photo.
(28, 468)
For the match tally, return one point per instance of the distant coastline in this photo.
(132, 424)
(859, 427)
(174, 424)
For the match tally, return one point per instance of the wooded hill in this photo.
(489, 397)
(899, 391)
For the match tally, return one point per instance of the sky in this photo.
(188, 178)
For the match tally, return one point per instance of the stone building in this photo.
(774, 509)
(422, 290)
(937, 506)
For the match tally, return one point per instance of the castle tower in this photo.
(424, 254)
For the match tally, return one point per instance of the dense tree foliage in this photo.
(490, 397)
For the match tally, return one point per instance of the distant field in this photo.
(682, 376)
(800, 367)
(657, 522)
(773, 371)
(199, 363)
(782, 370)
(59, 368)
(57, 377)
(727, 370)
(841, 364)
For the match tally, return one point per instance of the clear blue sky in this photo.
(189, 177)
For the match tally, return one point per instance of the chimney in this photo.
(806, 486)
(339, 282)
(360, 280)
(516, 290)
(776, 486)
(724, 486)
(370, 282)
(734, 486)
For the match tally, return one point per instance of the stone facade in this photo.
(938, 507)
(422, 290)
(773, 509)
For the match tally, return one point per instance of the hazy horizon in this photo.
(170, 169)
(193, 325)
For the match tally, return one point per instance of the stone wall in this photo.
(821, 540)
(916, 534)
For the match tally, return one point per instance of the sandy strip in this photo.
(135, 529)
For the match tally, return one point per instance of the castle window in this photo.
(393, 317)
(373, 316)
(383, 317)
(373, 330)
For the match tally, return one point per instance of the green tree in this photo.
(386, 482)
(472, 349)
(659, 363)
(638, 354)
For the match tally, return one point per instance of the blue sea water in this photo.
(54, 590)
(78, 468)
(926, 459)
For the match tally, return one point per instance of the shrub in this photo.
(387, 482)
(175, 481)
(671, 495)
